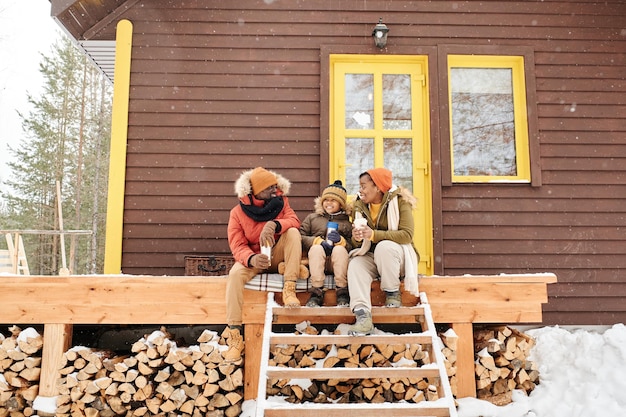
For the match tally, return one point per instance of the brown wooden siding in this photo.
(220, 87)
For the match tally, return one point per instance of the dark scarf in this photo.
(268, 212)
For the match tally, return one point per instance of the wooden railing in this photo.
(60, 302)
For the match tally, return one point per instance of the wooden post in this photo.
(64, 269)
(253, 334)
(466, 383)
(56, 341)
(16, 254)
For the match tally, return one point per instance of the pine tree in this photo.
(68, 132)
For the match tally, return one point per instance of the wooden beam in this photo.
(109, 19)
(57, 340)
(133, 299)
(253, 335)
(466, 383)
(119, 299)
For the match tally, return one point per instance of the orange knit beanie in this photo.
(382, 178)
(260, 179)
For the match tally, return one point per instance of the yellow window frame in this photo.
(520, 115)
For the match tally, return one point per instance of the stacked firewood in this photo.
(158, 378)
(450, 342)
(345, 390)
(20, 364)
(502, 363)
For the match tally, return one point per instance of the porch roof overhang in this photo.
(90, 24)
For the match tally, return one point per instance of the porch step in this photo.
(433, 369)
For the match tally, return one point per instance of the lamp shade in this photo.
(380, 33)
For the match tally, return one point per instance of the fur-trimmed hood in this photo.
(243, 187)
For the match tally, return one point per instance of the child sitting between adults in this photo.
(328, 251)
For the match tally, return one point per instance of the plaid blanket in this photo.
(274, 283)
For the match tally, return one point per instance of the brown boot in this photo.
(289, 294)
(235, 344)
(343, 297)
(316, 299)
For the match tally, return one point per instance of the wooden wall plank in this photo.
(228, 135)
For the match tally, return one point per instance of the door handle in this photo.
(423, 166)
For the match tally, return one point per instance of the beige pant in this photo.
(287, 249)
(336, 263)
(387, 262)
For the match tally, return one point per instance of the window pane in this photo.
(359, 158)
(359, 101)
(397, 101)
(398, 157)
(483, 134)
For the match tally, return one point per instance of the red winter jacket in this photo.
(243, 231)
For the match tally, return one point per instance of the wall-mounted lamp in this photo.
(380, 34)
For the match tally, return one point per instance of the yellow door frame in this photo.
(416, 65)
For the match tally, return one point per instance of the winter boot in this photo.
(363, 325)
(289, 294)
(234, 340)
(317, 297)
(393, 299)
(343, 297)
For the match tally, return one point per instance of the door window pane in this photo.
(397, 101)
(359, 158)
(359, 101)
(483, 131)
(398, 157)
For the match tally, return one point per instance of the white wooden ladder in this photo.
(434, 372)
(14, 260)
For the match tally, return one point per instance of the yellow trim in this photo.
(419, 133)
(119, 137)
(520, 116)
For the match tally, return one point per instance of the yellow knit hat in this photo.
(260, 179)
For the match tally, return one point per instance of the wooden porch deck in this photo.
(59, 302)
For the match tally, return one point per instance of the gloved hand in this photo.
(334, 236)
(328, 248)
(267, 234)
(260, 261)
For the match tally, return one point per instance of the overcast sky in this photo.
(26, 32)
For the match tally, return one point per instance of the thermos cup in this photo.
(329, 228)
